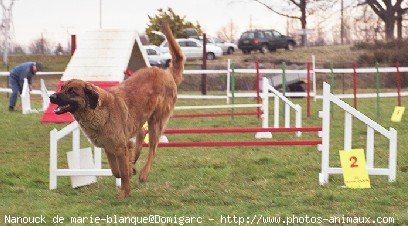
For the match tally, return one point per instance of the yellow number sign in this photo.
(354, 168)
(397, 115)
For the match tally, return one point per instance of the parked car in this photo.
(157, 58)
(264, 41)
(193, 49)
(227, 47)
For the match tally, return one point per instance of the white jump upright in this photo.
(266, 88)
(83, 169)
(372, 127)
(26, 97)
(44, 95)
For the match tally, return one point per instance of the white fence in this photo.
(372, 127)
(266, 72)
(266, 88)
(337, 71)
(80, 164)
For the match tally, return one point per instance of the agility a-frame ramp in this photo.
(101, 57)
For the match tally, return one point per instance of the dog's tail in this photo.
(177, 57)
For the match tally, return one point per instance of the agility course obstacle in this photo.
(372, 127)
(100, 58)
(77, 167)
(266, 89)
(90, 168)
(26, 98)
(323, 144)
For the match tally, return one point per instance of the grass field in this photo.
(204, 182)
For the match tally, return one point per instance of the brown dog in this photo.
(112, 119)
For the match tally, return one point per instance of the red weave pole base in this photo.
(213, 115)
(240, 143)
(240, 130)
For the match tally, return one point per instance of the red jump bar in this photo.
(213, 115)
(240, 130)
(240, 143)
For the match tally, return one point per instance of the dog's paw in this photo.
(132, 172)
(123, 194)
(142, 178)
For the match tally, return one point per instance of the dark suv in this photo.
(264, 40)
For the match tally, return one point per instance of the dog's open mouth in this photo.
(62, 109)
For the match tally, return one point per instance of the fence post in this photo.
(76, 145)
(204, 66)
(355, 84)
(392, 161)
(348, 129)
(314, 76)
(233, 89)
(331, 84)
(287, 115)
(308, 112)
(377, 84)
(398, 78)
(325, 115)
(73, 44)
(298, 119)
(53, 159)
(265, 103)
(228, 80)
(283, 66)
(258, 98)
(370, 147)
(276, 112)
(331, 77)
(98, 157)
(265, 110)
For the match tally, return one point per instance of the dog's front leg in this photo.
(123, 163)
(135, 148)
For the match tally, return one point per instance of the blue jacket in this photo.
(22, 71)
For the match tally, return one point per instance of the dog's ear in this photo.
(91, 95)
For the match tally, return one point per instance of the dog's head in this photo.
(75, 95)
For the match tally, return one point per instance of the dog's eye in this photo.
(71, 90)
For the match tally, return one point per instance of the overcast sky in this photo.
(56, 19)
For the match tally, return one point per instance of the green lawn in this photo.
(204, 182)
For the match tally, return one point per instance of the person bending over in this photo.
(17, 75)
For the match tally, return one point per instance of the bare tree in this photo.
(6, 24)
(228, 32)
(296, 9)
(400, 17)
(18, 49)
(367, 26)
(387, 12)
(40, 46)
(59, 50)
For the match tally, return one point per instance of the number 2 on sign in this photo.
(353, 160)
